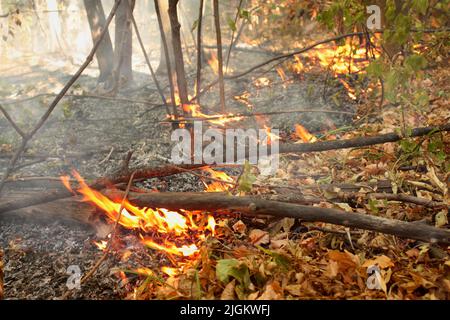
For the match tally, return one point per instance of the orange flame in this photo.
(174, 225)
(214, 63)
(217, 186)
(304, 134)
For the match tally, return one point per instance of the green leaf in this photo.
(227, 268)
(415, 62)
(247, 178)
(244, 14)
(231, 24)
(279, 259)
(375, 68)
(420, 5)
(194, 25)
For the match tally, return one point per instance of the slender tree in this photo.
(96, 17)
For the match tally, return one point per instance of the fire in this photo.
(350, 90)
(340, 60)
(169, 247)
(217, 186)
(304, 134)
(270, 136)
(217, 119)
(168, 228)
(101, 245)
(170, 271)
(281, 73)
(214, 63)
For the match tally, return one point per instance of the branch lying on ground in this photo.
(170, 170)
(255, 206)
(358, 142)
(97, 185)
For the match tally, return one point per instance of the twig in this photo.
(219, 55)
(147, 60)
(199, 51)
(232, 35)
(400, 197)
(11, 121)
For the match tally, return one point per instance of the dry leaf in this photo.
(382, 261)
(258, 237)
(270, 292)
(239, 227)
(228, 292)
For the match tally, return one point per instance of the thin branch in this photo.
(12, 123)
(167, 58)
(232, 35)
(147, 60)
(219, 55)
(199, 51)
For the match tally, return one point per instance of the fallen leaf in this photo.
(228, 292)
(239, 227)
(382, 261)
(258, 237)
(270, 293)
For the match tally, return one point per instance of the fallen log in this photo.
(358, 142)
(253, 205)
(99, 184)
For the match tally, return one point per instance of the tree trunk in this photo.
(178, 52)
(123, 43)
(164, 12)
(104, 54)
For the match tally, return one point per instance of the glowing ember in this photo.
(304, 134)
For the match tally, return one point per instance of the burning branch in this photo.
(359, 142)
(256, 206)
(99, 184)
(110, 241)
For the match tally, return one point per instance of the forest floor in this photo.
(271, 259)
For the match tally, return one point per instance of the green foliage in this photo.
(247, 179)
(233, 268)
